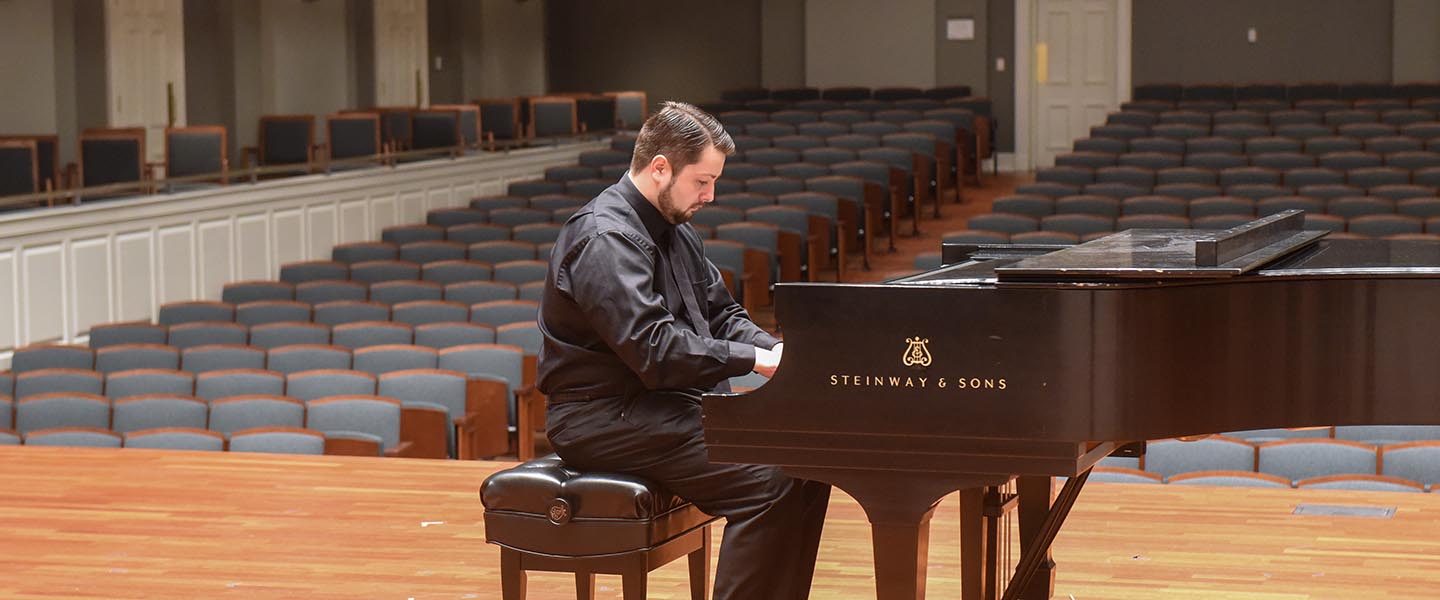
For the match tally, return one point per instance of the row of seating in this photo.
(1100, 147)
(843, 93)
(1333, 117)
(210, 345)
(1255, 183)
(1204, 206)
(1089, 226)
(979, 105)
(118, 156)
(1424, 131)
(1413, 463)
(368, 420)
(268, 440)
(1224, 155)
(1291, 92)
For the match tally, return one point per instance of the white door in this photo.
(146, 65)
(1076, 72)
(401, 47)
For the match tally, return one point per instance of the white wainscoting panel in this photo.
(176, 250)
(63, 270)
(252, 232)
(42, 279)
(289, 228)
(90, 280)
(353, 214)
(217, 257)
(320, 230)
(9, 299)
(134, 275)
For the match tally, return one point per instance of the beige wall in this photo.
(1417, 40)
(304, 57)
(782, 43)
(863, 42)
(27, 74)
(505, 51)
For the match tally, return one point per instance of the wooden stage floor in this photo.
(81, 523)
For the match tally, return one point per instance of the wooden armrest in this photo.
(529, 408)
(756, 278)
(483, 430)
(351, 447)
(402, 450)
(424, 431)
(789, 255)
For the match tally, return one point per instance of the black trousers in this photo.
(772, 521)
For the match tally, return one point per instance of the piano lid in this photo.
(1157, 254)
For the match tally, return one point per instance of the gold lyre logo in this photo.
(917, 354)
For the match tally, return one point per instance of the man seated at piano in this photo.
(638, 324)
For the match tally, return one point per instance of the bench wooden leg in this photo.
(585, 586)
(634, 582)
(700, 568)
(512, 575)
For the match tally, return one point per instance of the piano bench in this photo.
(546, 516)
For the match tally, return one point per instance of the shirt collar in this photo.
(655, 223)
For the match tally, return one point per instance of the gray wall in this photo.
(1000, 85)
(962, 61)
(1186, 41)
(1417, 40)
(446, 34)
(675, 49)
(852, 42)
(782, 43)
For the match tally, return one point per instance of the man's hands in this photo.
(767, 360)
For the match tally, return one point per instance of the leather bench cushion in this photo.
(533, 486)
(610, 513)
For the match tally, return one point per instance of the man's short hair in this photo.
(681, 132)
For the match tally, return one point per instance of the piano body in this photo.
(1036, 362)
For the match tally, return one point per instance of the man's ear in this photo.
(660, 166)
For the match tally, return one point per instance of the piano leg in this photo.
(899, 511)
(1032, 558)
(1035, 493)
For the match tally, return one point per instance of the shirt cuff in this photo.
(766, 341)
(742, 359)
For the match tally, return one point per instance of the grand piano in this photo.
(1024, 363)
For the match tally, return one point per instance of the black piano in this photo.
(1023, 363)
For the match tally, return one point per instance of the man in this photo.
(637, 325)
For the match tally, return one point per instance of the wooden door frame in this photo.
(1027, 30)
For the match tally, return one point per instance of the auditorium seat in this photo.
(51, 356)
(423, 312)
(365, 417)
(78, 437)
(241, 292)
(1171, 457)
(196, 151)
(446, 389)
(1230, 479)
(1122, 475)
(475, 292)
(443, 335)
(111, 334)
(396, 292)
(136, 413)
(275, 335)
(237, 413)
(239, 382)
(178, 313)
(364, 334)
(424, 253)
(307, 357)
(171, 438)
(1306, 458)
(61, 409)
(284, 140)
(378, 360)
(44, 381)
(520, 271)
(126, 357)
(253, 314)
(278, 440)
(316, 270)
(1369, 483)
(220, 357)
(306, 386)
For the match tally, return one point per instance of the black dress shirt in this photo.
(614, 314)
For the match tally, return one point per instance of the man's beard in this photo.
(674, 214)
